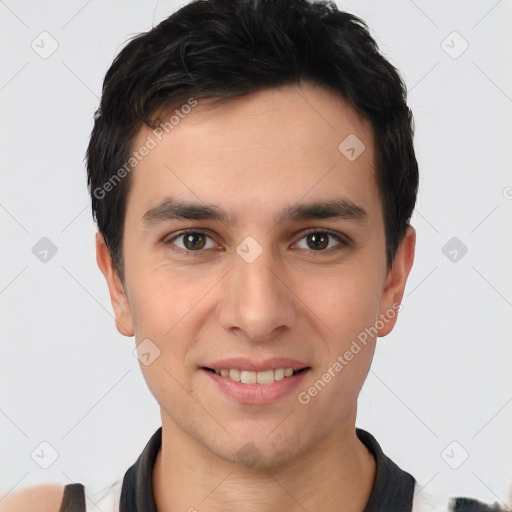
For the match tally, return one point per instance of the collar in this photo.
(392, 490)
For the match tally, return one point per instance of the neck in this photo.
(336, 474)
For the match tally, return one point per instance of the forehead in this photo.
(256, 153)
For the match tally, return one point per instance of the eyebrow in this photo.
(174, 209)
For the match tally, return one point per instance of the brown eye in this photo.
(317, 240)
(194, 241)
(322, 241)
(191, 241)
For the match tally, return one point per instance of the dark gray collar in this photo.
(392, 491)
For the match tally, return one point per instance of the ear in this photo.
(395, 282)
(124, 321)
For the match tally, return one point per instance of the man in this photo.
(252, 174)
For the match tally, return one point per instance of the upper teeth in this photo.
(249, 377)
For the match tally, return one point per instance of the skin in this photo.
(43, 498)
(253, 156)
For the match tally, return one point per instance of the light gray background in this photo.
(67, 376)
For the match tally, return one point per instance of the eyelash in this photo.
(343, 241)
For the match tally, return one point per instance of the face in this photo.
(253, 242)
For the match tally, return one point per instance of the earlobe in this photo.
(396, 280)
(122, 311)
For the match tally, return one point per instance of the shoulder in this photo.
(39, 498)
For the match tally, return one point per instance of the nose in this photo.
(258, 301)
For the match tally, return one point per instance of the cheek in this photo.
(349, 307)
(162, 307)
(169, 308)
(348, 302)
(162, 300)
(349, 345)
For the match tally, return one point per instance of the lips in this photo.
(255, 391)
